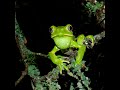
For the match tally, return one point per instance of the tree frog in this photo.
(64, 39)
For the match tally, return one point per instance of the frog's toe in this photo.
(60, 71)
(66, 61)
(66, 67)
(60, 67)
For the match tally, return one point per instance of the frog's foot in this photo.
(62, 66)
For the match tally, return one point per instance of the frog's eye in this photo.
(69, 27)
(51, 29)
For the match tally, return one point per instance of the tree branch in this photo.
(99, 36)
(21, 41)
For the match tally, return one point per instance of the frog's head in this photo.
(61, 31)
(62, 35)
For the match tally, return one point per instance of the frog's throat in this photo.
(62, 35)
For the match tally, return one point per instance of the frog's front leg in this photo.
(57, 60)
(81, 48)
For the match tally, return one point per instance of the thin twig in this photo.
(41, 54)
(24, 73)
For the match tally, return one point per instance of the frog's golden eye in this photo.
(51, 29)
(69, 27)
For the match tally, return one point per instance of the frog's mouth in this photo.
(62, 35)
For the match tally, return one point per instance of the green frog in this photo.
(64, 39)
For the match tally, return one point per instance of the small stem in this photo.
(24, 73)
(40, 54)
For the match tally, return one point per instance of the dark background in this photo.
(35, 18)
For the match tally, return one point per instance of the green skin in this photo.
(64, 39)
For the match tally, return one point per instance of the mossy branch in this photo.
(98, 9)
(24, 51)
